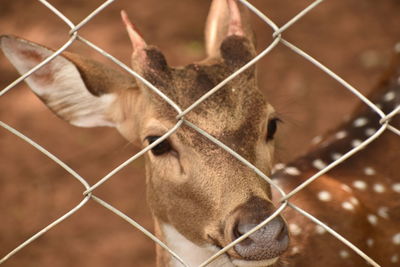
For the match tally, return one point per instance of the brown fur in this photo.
(381, 155)
(102, 79)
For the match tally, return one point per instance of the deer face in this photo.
(199, 194)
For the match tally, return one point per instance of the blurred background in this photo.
(354, 38)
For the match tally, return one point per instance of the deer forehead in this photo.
(187, 84)
(237, 106)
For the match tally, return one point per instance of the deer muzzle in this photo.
(268, 242)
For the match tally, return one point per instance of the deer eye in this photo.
(161, 148)
(271, 128)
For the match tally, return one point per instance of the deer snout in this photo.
(268, 242)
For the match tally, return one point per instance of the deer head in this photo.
(200, 196)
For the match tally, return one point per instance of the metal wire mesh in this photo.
(88, 190)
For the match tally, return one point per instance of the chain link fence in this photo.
(89, 190)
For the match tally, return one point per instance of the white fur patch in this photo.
(192, 254)
(263, 263)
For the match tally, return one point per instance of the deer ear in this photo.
(226, 19)
(78, 90)
(147, 61)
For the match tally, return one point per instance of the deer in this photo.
(201, 198)
(359, 198)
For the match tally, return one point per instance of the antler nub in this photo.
(136, 39)
(235, 22)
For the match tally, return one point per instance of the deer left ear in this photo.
(78, 90)
(147, 60)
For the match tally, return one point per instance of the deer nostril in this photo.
(283, 233)
(240, 229)
(236, 233)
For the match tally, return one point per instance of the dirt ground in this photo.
(354, 38)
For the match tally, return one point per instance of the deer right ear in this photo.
(78, 90)
(226, 18)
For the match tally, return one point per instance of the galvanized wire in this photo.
(285, 197)
(139, 227)
(335, 234)
(336, 162)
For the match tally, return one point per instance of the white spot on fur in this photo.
(347, 206)
(397, 47)
(344, 254)
(394, 258)
(389, 96)
(346, 188)
(294, 229)
(324, 196)
(369, 171)
(370, 131)
(372, 219)
(319, 164)
(396, 187)
(379, 188)
(360, 185)
(336, 156)
(294, 250)
(316, 140)
(320, 230)
(279, 166)
(292, 171)
(354, 201)
(356, 142)
(341, 134)
(383, 212)
(396, 239)
(360, 122)
(370, 242)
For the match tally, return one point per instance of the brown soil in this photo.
(354, 38)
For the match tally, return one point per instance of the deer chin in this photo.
(191, 253)
(194, 255)
(262, 263)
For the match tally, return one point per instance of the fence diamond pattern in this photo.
(89, 190)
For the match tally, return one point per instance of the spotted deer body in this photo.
(360, 198)
(200, 196)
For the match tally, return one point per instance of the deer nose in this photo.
(268, 242)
